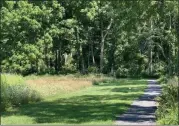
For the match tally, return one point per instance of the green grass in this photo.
(99, 104)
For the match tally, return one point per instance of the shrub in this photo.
(162, 79)
(95, 82)
(104, 80)
(159, 69)
(167, 112)
(122, 72)
(92, 69)
(15, 92)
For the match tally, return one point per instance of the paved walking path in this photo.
(142, 111)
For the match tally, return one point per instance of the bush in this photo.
(122, 72)
(167, 112)
(105, 80)
(162, 79)
(92, 69)
(15, 92)
(95, 82)
(159, 69)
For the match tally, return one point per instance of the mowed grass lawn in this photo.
(92, 104)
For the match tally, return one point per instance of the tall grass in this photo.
(15, 92)
(48, 85)
(167, 112)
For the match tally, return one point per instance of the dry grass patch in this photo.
(52, 85)
(47, 86)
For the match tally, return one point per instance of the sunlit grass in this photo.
(51, 85)
(11, 79)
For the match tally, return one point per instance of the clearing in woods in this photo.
(90, 104)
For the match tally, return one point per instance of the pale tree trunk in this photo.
(80, 64)
(92, 54)
(103, 37)
(92, 50)
(102, 50)
(104, 33)
(150, 52)
(150, 61)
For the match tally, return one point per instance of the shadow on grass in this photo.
(128, 89)
(83, 108)
(122, 82)
(78, 109)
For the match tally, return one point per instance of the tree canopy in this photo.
(122, 38)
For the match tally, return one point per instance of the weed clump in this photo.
(14, 92)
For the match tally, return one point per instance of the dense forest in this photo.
(122, 38)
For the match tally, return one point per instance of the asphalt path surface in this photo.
(142, 111)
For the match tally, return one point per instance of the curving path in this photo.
(142, 111)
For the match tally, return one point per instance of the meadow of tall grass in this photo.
(48, 85)
(15, 92)
(167, 112)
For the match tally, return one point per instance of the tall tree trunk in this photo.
(46, 59)
(88, 56)
(103, 37)
(37, 66)
(56, 60)
(78, 45)
(150, 61)
(101, 52)
(177, 29)
(82, 62)
(60, 56)
(89, 47)
(102, 40)
(169, 53)
(150, 52)
(91, 44)
(92, 53)
(161, 7)
(112, 56)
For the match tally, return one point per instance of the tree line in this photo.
(122, 38)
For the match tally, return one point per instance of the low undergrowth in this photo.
(15, 92)
(167, 112)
